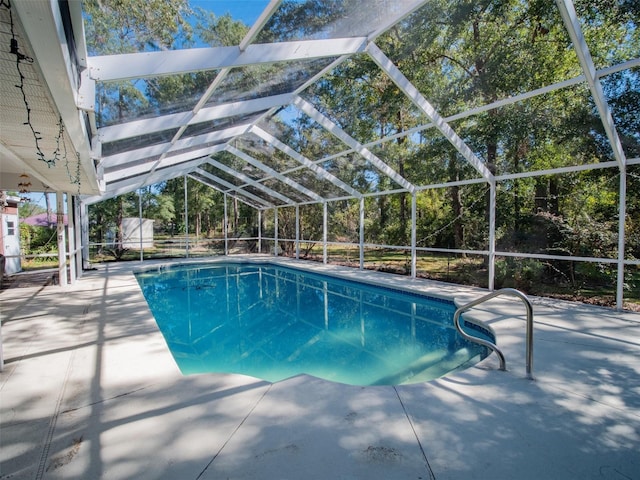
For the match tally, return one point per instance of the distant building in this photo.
(47, 219)
(131, 233)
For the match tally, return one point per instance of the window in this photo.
(11, 228)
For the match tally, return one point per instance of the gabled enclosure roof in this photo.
(240, 115)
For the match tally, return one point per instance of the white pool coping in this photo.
(90, 391)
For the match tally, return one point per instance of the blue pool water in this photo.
(273, 322)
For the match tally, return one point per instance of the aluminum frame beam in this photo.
(334, 129)
(111, 68)
(270, 171)
(167, 148)
(257, 26)
(126, 185)
(215, 187)
(175, 120)
(403, 83)
(499, 103)
(141, 173)
(148, 168)
(572, 24)
(250, 181)
(319, 171)
(232, 188)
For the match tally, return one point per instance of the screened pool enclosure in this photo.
(507, 132)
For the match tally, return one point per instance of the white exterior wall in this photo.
(11, 243)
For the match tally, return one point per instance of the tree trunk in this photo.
(541, 195)
(99, 232)
(554, 201)
(382, 205)
(119, 250)
(456, 203)
(236, 216)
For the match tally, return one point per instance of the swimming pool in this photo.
(275, 322)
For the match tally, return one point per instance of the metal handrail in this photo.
(493, 346)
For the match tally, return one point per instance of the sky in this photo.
(38, 198)
(246, 10)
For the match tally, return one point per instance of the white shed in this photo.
(131, 231)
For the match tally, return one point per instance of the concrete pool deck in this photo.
(90, 391)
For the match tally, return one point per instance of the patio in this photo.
(89, 390)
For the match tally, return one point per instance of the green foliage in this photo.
(520, 273)
(27, 209)
(128, 26)
(343, 221)
(460, 56)
(220, 31)
(295, 19)
(35, 240)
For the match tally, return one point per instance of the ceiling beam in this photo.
(257, 26)
(127, 185)
(148, 168)
(416, 97)
(195, 176)
(175, 120)
(167, 147)
(169, 173)
(334, 129)
(222, 74)
(108, 68)
(250, 181)
(270, 171)
(572, 24)
(231, 187)
(633, 63)
(319, 171)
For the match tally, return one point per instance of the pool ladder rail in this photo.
(492, 346)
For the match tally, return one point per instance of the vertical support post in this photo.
(84, 226)
(297, 232)
(259, 231)
(1, 352)
(414, 254)
(71, 227)
(275, 231)
(140, 222)
(324, 232)
(186, 220)
(492, 234)
(62, 255)
(622, 215)
(361, 243)
(77, 230)
(225, 227)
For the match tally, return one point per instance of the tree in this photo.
(107, 216)
(128, 26)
